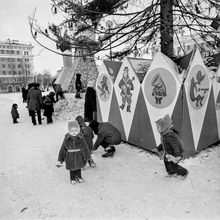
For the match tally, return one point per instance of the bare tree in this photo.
(123, 26)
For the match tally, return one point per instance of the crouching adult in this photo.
(107, 136)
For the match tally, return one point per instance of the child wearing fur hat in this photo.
(172, 146)
(14, 113)
(74, 151)
(88, 135)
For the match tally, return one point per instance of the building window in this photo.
(14, 72)
(3, 65)
(4, 72)
(2, 59)
(18, 52)
(19, 65)
(9, 65)
(2, 51)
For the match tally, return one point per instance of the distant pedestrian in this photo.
(48, 107)
(88, 135)
(14, 113)
(78, 86)
(90, 106)
(24, 94)
(35, 102)
(107, 136)
(59, 91)
(74, 151)
(172, 146)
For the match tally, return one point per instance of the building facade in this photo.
(16, 65)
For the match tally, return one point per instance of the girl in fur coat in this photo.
(74, 151)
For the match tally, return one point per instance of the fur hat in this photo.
(94, 125)
(164, 122)
(73, 124)
(14, 105)
(80, 119)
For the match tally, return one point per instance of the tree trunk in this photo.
(166, 27)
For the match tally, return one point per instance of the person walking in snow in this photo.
(35, 102)
(107, 136)
(74, 151)
(172, 146)
(48, 107)
(90, 107)
(78, 86)
(88, 135)
(14, 113)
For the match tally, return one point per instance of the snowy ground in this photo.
(131, 185)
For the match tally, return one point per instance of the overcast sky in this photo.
(14, 25)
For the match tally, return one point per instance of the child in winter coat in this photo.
(172, 146)
(74, 151)
(107, 136)
(14, 113)
(88, 135)
(48, 107)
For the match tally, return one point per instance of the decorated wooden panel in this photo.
(127, 87)
(160, 88)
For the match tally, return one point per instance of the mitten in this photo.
(59, 164)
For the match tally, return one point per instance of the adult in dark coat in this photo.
(48, 107)
(24, 94)
(107, 136)
(35, 102)
(78, 86)
(90, 107)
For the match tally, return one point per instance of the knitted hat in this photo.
(73, 124)
(94, 125)
(80, 119)
(164, 122)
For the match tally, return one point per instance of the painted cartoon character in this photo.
(104, 86)
(196, 93)
(159, 90)
(126, 85)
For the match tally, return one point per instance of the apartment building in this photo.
(16, 65)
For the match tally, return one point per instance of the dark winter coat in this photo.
(48, 106)
(24, 94)
(34, 99)
(86, 131)
(90, 104)
(106, 133)
(74, 151)
(171, 143)
(14, 113)
(78, 83)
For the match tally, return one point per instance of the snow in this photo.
(130, 185)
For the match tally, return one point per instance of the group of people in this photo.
(36, 102)
(78, 145)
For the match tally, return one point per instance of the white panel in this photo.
(161, 71)
(197, 87)
(104, 88)
(127, 116)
